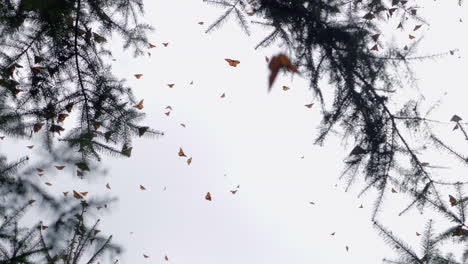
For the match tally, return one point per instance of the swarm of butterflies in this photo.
(276, 64)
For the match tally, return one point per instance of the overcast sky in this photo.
(253, 139)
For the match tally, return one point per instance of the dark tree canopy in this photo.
(336, 42)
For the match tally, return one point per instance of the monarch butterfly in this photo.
(142, 187)
(170, 85)
(138, 75)
(232, 63)
(108, 186)
(37, 127)
(189, 160)
(61, 117)
(77, 195)
(285, 88)
(452, 200)
(150, 46)
(181, 153)
(139, 106)
(69, 107)
(30, 147)
(165, 44)
(208, 196)
(375, 48)
(59, 167)
(276, 63)
(309, 105)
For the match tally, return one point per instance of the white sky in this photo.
(250, 138)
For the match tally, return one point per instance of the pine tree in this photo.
(335, 42)
(55, 69)
(55, 66)
(20, 245)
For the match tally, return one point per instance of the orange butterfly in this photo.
(165, 44)
(61, 117)
(150, 46)
(232, 63)
(170, 85)
(139, 106)
(142, 187)
(357, 151)
(394, 191)
(37, 127)
(309, 105)
(285, 88)
(189, 160)
(208, 196)
(276, 63)
(108, 186)
(138, 75)
(77, 195)
(97, 125)
(43, 227)
(30, 147)
(411, 37)
(200, 23)
(181, 153)
(84, 193)
(59, 167)
(452, 200)
(69, 107)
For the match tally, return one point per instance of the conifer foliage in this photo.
(57, 86)
(55, 74)
(338, 42)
